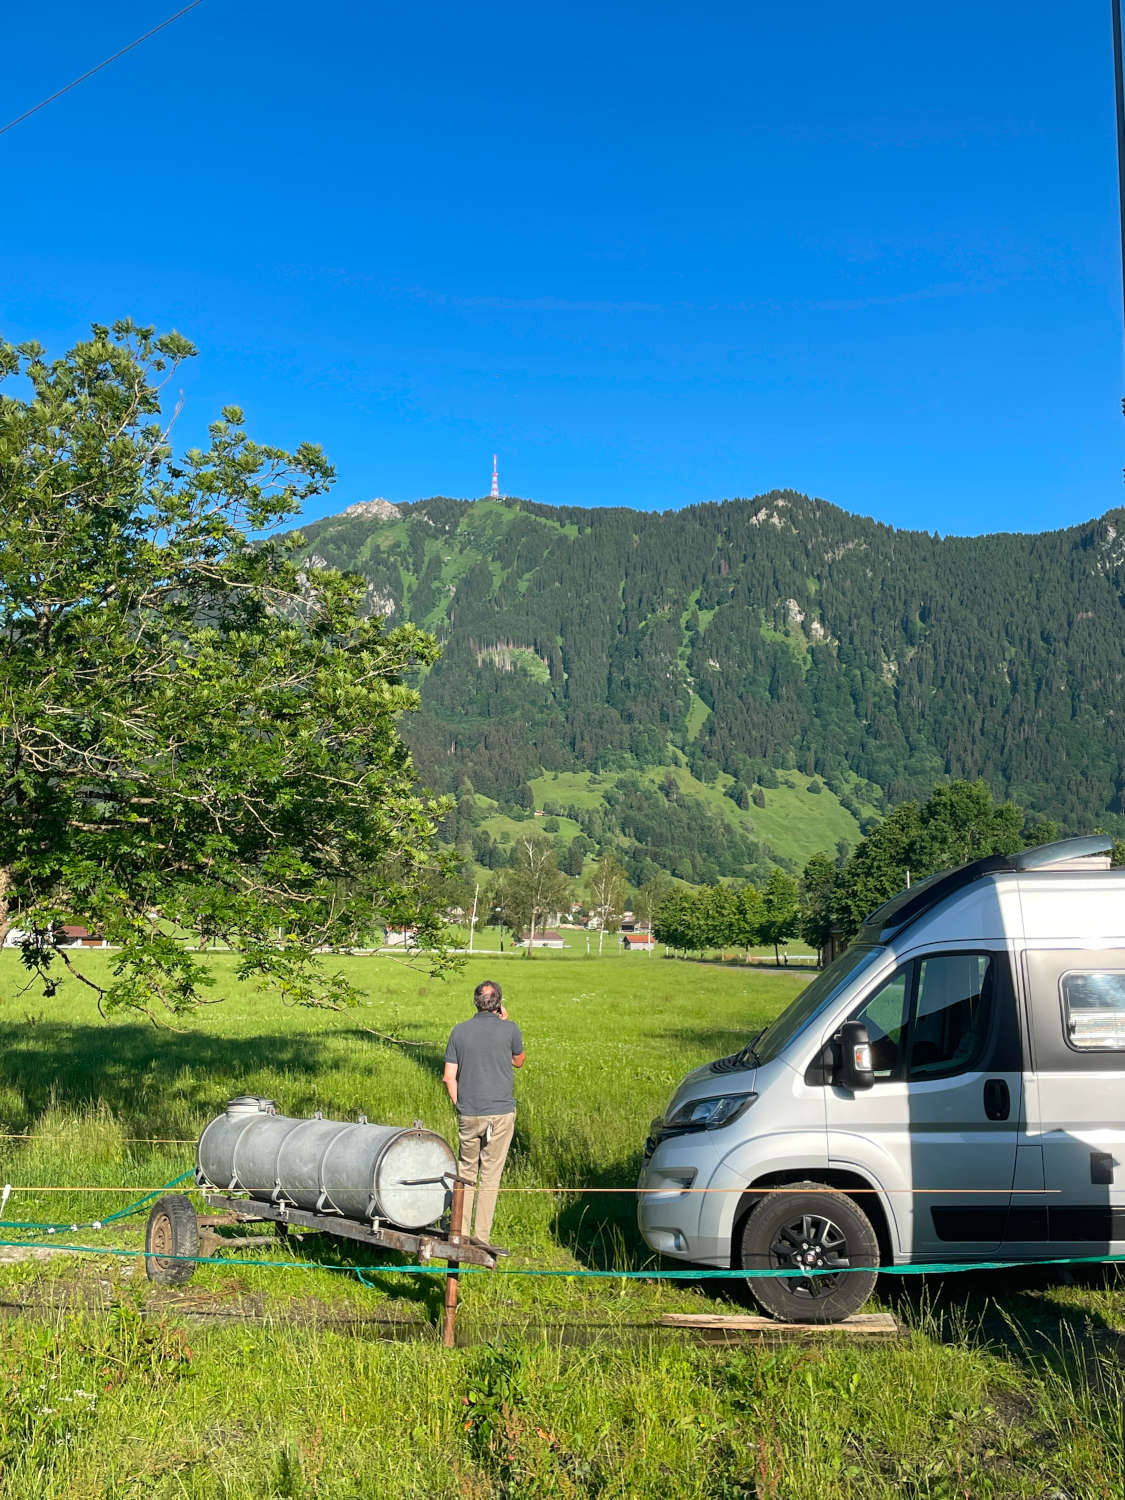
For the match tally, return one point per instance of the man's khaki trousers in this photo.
(484, 1144)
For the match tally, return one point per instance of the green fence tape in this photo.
(702, 1274)
(71, 1228)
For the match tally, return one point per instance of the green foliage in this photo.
(196, 733)
(531, 889)
(818, 886)
(747, 636)
(957, 823)
(606, 887)
(781, 915)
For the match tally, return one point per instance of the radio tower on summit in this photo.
(495, 480)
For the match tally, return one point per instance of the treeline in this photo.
(828, 904)
(723, 916)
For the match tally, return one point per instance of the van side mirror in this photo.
(855, 1070)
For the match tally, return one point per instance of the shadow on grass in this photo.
(1023, 1305)
(307, 1247)
(146, 1077)
(599, 1228)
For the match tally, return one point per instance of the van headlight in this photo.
(709, 1113)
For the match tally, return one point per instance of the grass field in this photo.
(250, 1383)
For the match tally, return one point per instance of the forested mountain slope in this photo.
(733, 639)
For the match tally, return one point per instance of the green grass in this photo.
(795, 823)
(698, 714)
(251, 1383)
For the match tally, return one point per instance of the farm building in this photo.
(638, 942)
(74, 935)
(548, 939)
(400, 937)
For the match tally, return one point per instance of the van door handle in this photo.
(997, 1099)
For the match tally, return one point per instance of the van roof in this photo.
(886, 921)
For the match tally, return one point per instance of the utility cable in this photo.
(50, 99)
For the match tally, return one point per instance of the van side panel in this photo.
(1076, 1007)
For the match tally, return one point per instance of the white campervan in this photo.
(951, 1089)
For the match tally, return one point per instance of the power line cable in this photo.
(91, 71)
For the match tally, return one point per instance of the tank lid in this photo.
(251, 1104)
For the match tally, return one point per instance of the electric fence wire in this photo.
(362, 1272)
(705, 1273)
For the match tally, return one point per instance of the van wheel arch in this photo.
(864, 1194)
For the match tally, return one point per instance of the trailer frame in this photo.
(166, 1266)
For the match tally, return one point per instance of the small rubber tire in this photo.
(809, 1219)
(172, 1230)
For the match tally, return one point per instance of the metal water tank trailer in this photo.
(370, 1173)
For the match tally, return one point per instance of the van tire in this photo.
(834, 1229)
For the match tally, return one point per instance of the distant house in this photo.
(548, 939)
(400, 937)
(638, 942)
(74, 935)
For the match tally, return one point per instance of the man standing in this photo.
(479, 1059)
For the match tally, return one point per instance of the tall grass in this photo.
(255, 1383)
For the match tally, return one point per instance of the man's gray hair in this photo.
(488, 995)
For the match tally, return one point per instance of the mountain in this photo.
(697, 664)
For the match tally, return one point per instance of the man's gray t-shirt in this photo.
(483, 1048)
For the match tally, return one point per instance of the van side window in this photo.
(1094, 1009)
(884, 1015)
(952, 1013)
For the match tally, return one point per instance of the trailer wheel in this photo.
(172, 1231)
(815, 1226)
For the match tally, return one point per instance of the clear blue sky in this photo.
(650, 254)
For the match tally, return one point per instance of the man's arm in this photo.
(449, 1078)
(519, 1059)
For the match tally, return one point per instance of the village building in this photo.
(638, 942)
(548, 939)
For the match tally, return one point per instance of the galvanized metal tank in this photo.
(362, 1171)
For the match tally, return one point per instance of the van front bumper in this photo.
(674, 1214)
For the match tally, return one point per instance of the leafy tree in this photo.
(680, 922)
(721, 913)
(780, 911)
(649, 898)
(606, 886)
(531, 889)
(748, 920)
(195, 734)
(818, 884)
(878, 868)
(958, 823)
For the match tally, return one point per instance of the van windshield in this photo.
(824, 988)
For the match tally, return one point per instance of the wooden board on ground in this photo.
(864, 1325)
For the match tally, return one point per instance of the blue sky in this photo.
(650, 255)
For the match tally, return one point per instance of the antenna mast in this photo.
(495, 480)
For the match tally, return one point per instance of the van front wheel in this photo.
(808, 1227)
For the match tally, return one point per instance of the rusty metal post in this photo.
(449, 1313)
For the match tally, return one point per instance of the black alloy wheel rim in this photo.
(814, 1242)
